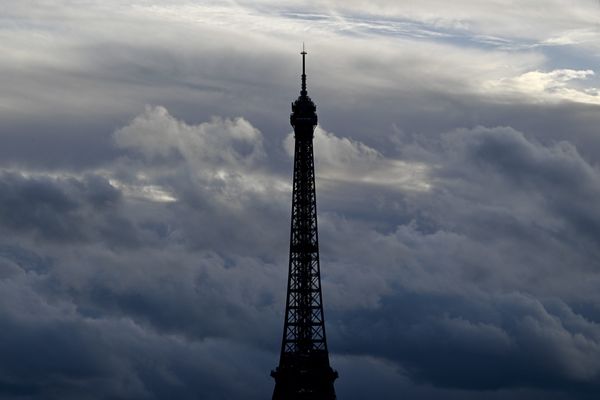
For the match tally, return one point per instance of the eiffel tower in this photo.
(304, 372)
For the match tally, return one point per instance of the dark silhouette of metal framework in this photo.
(304, 372)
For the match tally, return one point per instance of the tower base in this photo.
(304, 377)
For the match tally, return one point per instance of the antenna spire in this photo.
(303, 92)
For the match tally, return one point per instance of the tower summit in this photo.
(304, 372)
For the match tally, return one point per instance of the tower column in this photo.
(304, 372)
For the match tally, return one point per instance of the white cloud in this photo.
(144, 192)
(540, 87)
(341, 159)
(364, 50)
(220, 142)
(226, 155)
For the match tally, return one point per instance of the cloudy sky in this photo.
(145, 188)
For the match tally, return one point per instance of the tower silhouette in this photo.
(304, 372)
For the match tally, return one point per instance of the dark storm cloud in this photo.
(481, 300)
(54, 209)
(51, 352)
(133, 226)
(568, 183)
(421, 298)
(89, 315)
(482, 342)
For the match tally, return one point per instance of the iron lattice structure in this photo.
(304, 371)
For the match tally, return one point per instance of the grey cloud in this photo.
(411, 292)
(555, 184)
(52, 208)
(486, 175)
(219, 174)
(53, 354)
(481, 342)
(95, 320)
(478, 298)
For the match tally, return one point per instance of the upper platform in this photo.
(304, 110)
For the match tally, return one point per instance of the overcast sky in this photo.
(145, 191)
